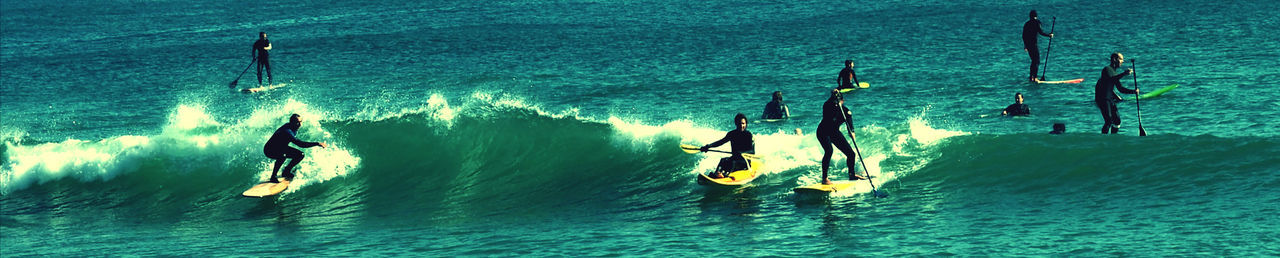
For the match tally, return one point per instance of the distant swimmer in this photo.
(1105, 93)
(847, 78)
(834, 114)
(260, 49)
(1030, 41)
(1059, 128)
(277, 147)
(740, 142)
(1017, 109)
(776, 109)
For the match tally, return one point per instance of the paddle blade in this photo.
(233, 83)
(1142, 131)
(690, 148)
(880, 194)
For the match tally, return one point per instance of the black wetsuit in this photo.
(1018, 110)
(1106, 98)
(1030, 42)
(740, 142)
(277, 148)
(260, 52)
(774, 110)
(846, 79)
(828, 132)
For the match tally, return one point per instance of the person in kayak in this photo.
(1017, 109)
(834, 115)
(740, 142)
(1030, 42)
(847, 78)
(1105, 93)
(260, 49)
(277, 147)
(776, 109)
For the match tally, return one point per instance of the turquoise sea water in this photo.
(503, 128)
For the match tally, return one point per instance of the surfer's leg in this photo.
(1034, 52)
(267, 64)
(850, 159)
(295, 156)
(1115, 119)
(259, 72)
(825, 141)
(1106, 116)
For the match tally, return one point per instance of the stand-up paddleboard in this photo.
(266, 189)
(1078, 80)
(262, 88)
(861, 85)
(819, 188)
(1157, 92)
(772, 120)
(735, 178)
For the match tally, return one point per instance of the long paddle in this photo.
(246, 69)
(849, 125)
(695, 149)
(1134, 66)
(1046, 51)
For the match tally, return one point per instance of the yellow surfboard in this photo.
(861, 85)
(735, 178)
(819, 188)
(266, 189)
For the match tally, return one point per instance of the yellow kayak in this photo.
(735, 178)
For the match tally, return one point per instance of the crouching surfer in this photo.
(740, 142)
(277, 147)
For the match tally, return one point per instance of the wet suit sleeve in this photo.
(1115, 79)
(293, 137)
(1040, 29)
(727, 137)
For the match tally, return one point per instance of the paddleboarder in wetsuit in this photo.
(1030, 40)
(847, 79)
(260, 49)
(1105, 93)
(277, 147)
(1017, 109)
(776, 109)
(835, 115)
(740, 142)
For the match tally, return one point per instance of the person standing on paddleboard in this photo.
(1105, 93)
(277, 147)
(776, 109)
(1017, 109)
(847, 78)
(834, 115)
(260, 49)
(1030, 42)
(740, 142)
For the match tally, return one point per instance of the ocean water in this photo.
(549, 128)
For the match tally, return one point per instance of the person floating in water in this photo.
(740, 142)
(1030, 41)
(847, 78)
(260, 49)
(277, 147)
(1017, 109)
(1059, 128)
(834, 115)
(1105, 93)
(776, 109)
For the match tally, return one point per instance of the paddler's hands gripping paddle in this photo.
(695, 149)
(1134, 67)
(848, 124)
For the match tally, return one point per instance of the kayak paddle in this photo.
(695, 149)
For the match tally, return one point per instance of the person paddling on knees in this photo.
(834, 114)
(847, 78)
(740, 142)
(1105, 93)
(260, 49)
(1017, 109)
(1031, 40)
(277, 147)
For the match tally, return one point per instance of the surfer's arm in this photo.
(786, 112)
(293, 137)
(716, 143)
(268, 46)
